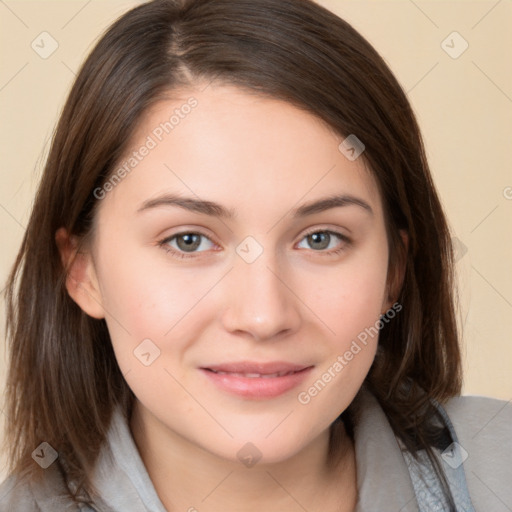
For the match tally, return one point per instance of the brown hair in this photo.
(63, 380)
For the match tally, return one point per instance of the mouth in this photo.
(252, 375)
(252, 380)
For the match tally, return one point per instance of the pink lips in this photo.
(257, 380)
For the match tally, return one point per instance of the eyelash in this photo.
(333, 252)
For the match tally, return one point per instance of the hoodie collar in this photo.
(383, 479)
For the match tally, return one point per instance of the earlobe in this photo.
(81, 280)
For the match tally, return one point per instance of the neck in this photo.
(188, 478)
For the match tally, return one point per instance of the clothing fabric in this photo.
(478, 465)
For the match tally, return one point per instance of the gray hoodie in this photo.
(478, 465)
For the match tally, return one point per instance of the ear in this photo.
(81, 280)
(396, 273)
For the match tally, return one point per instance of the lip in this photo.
(256, 380)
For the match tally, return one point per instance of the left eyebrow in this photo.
(330, 202)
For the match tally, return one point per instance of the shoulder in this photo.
(475, 407)
(49, 495)
(16, 496)
(481, 420)
(483, 426)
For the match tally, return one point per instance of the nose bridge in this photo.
(260, 302)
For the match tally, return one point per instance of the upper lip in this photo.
(251, 367)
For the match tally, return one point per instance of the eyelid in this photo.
(325, 229)
(187, 232)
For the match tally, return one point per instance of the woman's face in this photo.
(231, 320)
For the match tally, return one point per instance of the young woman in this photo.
(235, 291)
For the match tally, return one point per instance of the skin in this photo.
(261, 158)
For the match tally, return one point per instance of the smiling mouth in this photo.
(256, 381)
(253, 375)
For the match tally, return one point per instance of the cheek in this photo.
(143, 300)
(347, 356)
(141, 290)
(349, 297)
(349, 303)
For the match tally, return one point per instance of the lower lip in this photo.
(257, 387)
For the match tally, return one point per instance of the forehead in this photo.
(223, 143)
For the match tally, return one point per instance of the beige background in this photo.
(464, 106)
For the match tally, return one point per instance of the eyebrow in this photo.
(217, 210)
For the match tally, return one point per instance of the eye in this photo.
(320, 240)
(186, 242)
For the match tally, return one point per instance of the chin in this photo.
(257, 449)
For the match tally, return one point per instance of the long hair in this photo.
(63, 379)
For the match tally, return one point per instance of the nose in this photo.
(260, 300)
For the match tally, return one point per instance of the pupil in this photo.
(316, 238)
(188, 242)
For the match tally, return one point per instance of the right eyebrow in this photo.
(189, 203)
